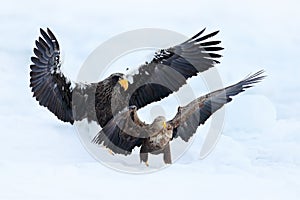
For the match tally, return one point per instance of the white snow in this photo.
(258, 154)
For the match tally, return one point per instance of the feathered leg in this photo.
(167, 154)
(144, 155)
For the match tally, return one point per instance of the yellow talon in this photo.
(147, 164)
(110, 152)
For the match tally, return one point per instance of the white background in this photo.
(258, 154)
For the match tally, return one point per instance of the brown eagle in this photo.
(165, 74)
(126, 131)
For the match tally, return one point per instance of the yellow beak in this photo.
(124, 84)
(164, 125)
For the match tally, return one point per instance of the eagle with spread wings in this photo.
(126, 131)
(165, 74)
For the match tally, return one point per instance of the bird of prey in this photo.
(121, 134)
(165, 74)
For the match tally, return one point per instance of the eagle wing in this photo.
(170, 68)
(49, 86)
(122, 133)
(189, 117)
(52, 89)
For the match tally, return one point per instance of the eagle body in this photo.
(108, 99)
(160, 140)
(158, 134)
(157, 144)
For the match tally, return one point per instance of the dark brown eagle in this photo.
(165, 74)
(122, 132)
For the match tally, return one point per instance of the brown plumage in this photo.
(155, 80)
(154, 138)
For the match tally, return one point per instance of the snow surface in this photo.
(258, 154)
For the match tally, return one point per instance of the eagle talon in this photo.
(110, 152)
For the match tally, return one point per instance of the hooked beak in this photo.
(124, 83)
(164, 125)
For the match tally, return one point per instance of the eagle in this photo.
(126, 131)
(165, 74)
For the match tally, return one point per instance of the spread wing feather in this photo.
(170, 68)
(188, 118)
(49, 86)
(121, 134)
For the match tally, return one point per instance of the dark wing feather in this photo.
(188, 118)
(121, 134)
(170, 69)
(50, 87)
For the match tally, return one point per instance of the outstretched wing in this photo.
(50, 87)
(121, 133)
(170, 69)
(188, 118)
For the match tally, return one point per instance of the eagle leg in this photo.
(167, 154)
(144, 155)
(144, 158)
